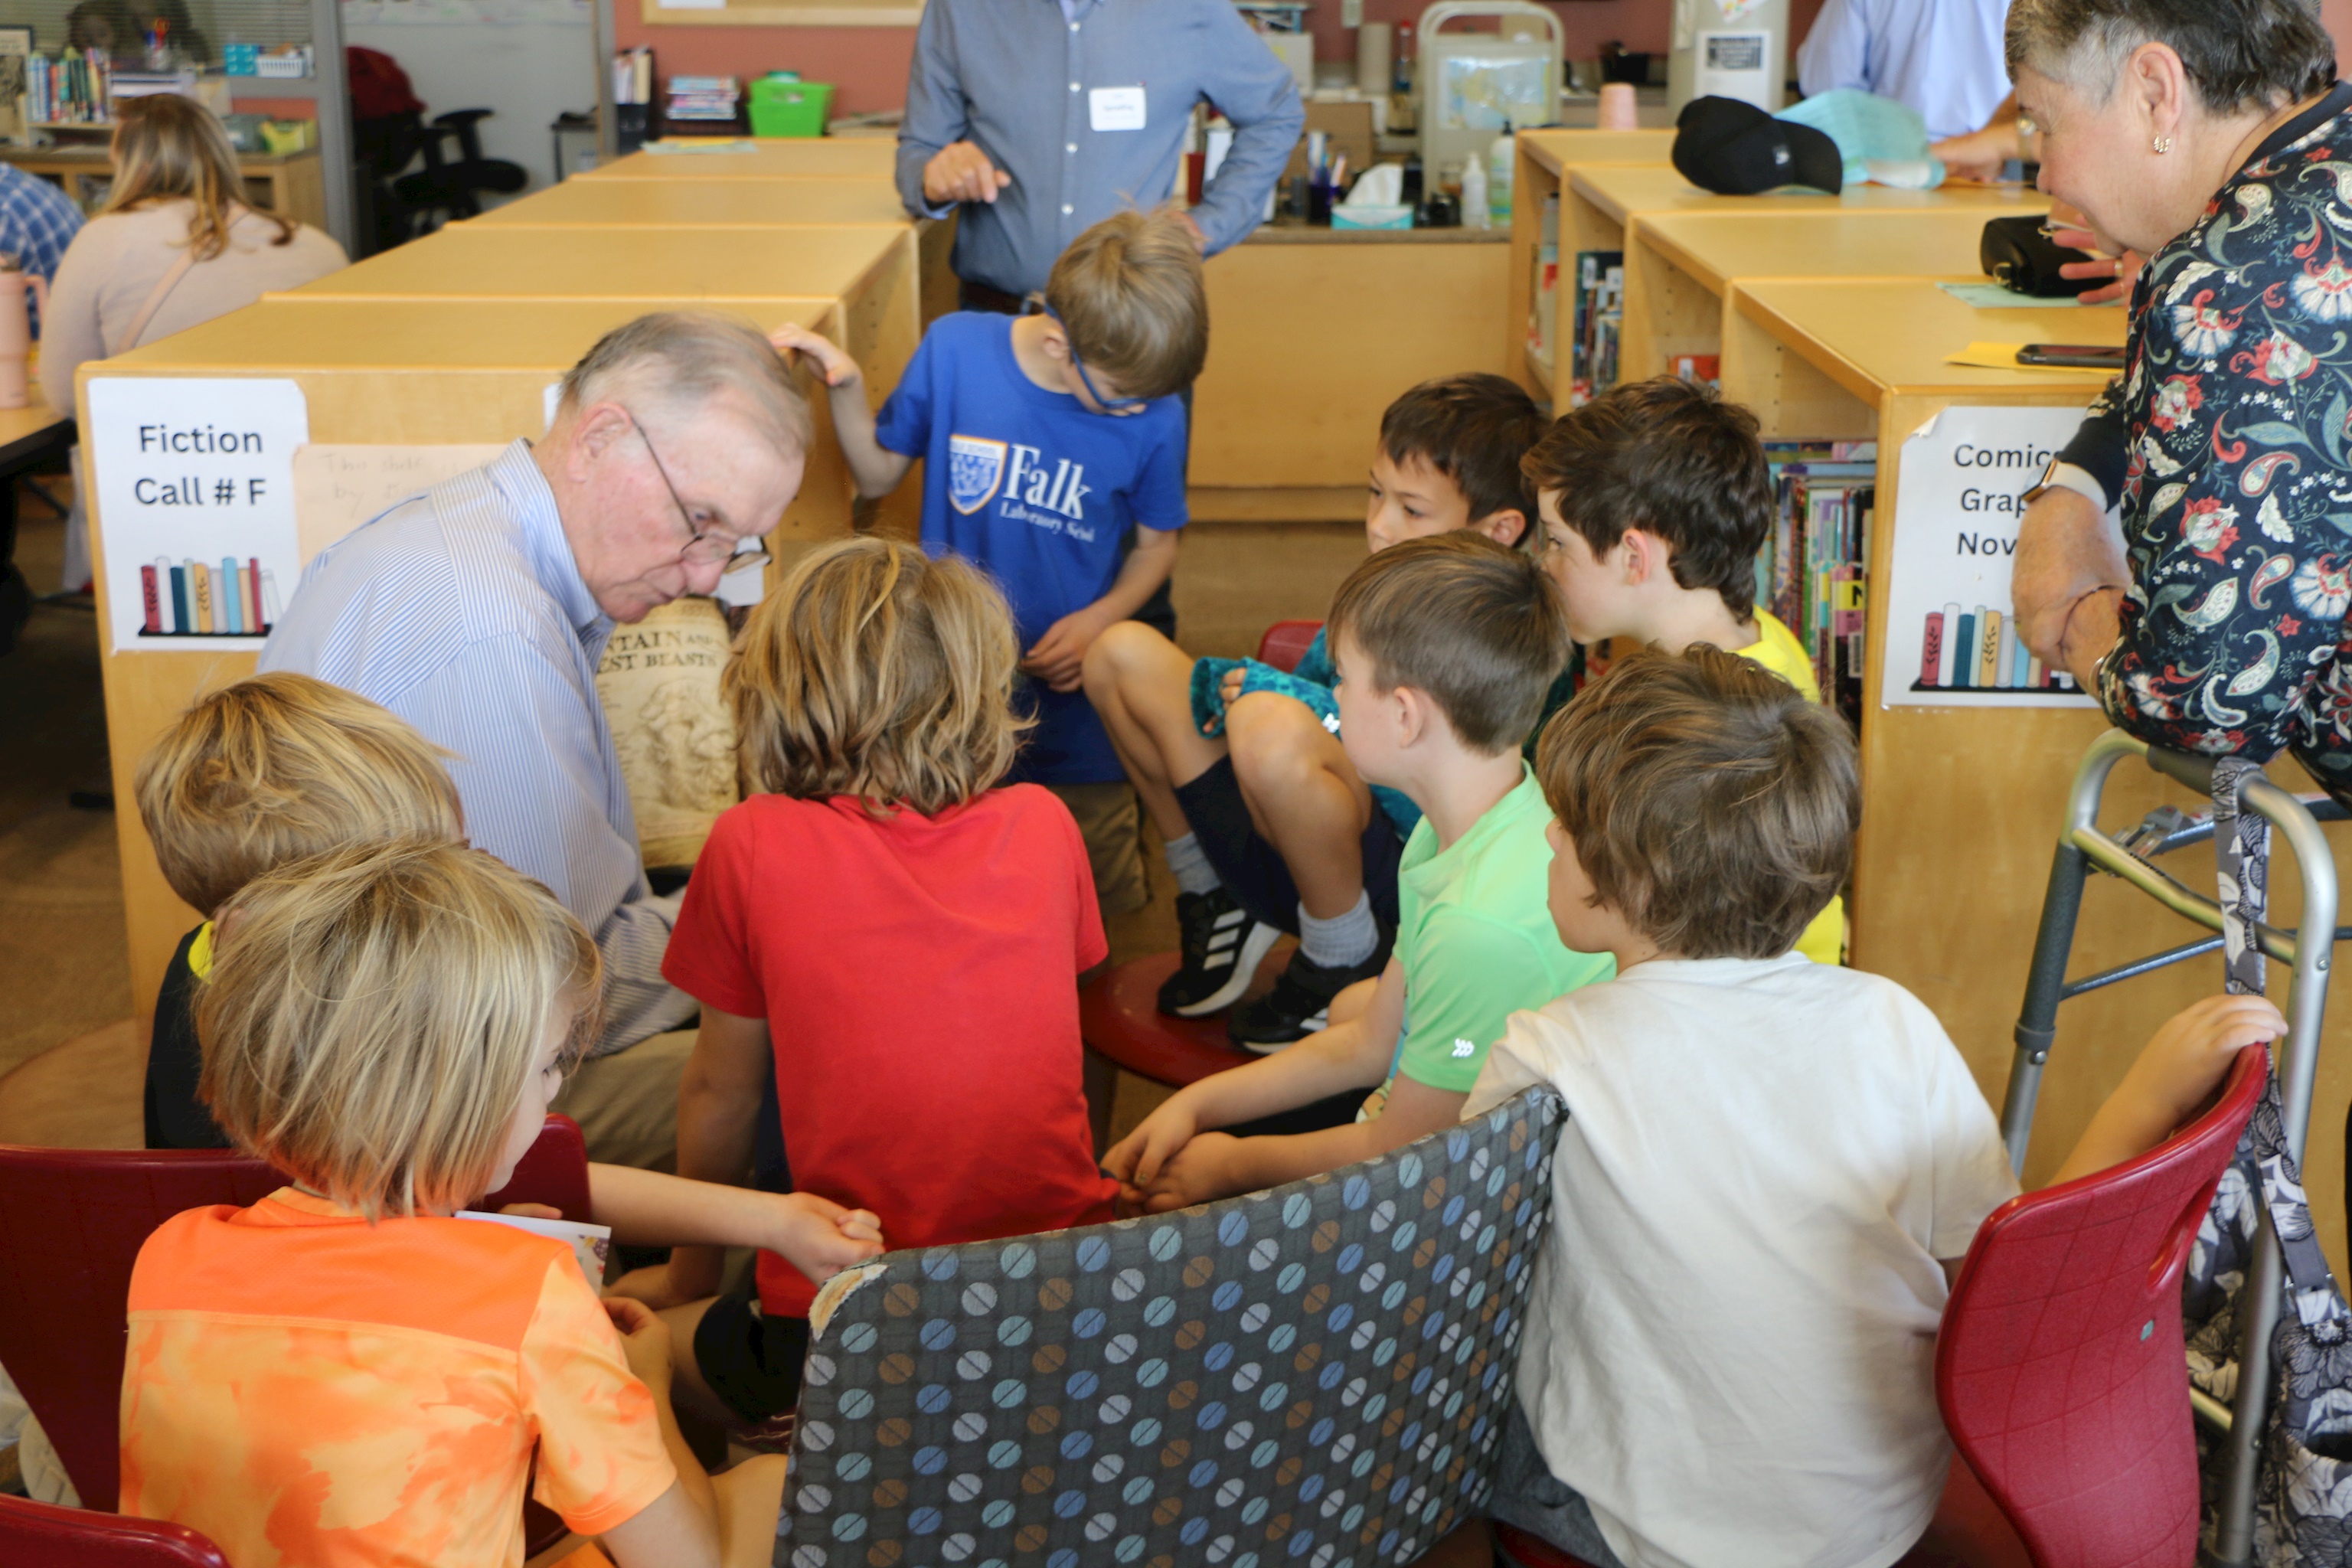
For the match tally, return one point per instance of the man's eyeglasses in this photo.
(1109, 405)
(706, 548)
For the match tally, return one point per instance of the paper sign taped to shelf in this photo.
(338, 488)
(195, 507)
(1735, 65)
(1951, 634)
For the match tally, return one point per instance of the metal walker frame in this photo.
(2081, 847)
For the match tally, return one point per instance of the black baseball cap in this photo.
(1731, 147)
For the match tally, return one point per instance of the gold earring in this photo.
(2164, 144)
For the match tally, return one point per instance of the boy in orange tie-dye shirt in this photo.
(345, 1376)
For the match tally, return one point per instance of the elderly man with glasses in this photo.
(480, 612)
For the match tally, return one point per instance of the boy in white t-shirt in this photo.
(1770, 1168)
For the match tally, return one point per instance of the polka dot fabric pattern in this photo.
(1314, 1375)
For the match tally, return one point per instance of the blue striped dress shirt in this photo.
(1018, 79)
(462, 611)
(38, 221)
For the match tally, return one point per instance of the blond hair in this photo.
(282, 766)
(1129, 295)
(369, 1028)
(169, 148)
(878, 672)
(1709, 803)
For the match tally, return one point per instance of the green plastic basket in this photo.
(790, 108)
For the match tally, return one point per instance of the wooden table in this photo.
(1678, 263)
(389, 372)
(29, 436)
(871, 270)
(1314, 331)
(1962, 806)
(288, 183)
(1544, 161)
(850, 157)
(784, 201)
(1600, 200)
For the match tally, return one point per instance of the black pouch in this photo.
(2024, 261)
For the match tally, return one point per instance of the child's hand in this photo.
(1198, 1173)
(532, 1211)
(839, 369)
(1230, 690)
(2188, 1057)
(1134, 1162)
(645, 1339)
(655, 1286)
(820, 1237)
(1060, 655)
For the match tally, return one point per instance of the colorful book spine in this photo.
(180, 620)
(232, 599)
(1964, 661)
(200, 576)
(271, 608)
(1989, 624)
(147, 596)
(1931, 653)
(253, 593)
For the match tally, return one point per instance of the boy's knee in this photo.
(1272, 737)
(1113, 657)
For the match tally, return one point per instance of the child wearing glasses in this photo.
(1054, 454)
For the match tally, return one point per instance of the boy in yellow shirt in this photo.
(1654, 499)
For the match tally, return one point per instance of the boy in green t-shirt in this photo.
(1445, 647)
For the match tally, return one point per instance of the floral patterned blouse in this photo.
(2228, 439)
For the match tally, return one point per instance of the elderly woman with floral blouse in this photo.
(2212, 137)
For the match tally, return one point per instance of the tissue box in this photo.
(241, 59)
(1371, 217)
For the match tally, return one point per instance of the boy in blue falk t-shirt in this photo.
(1047, 439)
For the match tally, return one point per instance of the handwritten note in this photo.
(338, 488)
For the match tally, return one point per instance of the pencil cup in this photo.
(1617, 111)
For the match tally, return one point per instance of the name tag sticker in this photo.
(1116, 107)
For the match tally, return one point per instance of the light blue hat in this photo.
(1881, 140)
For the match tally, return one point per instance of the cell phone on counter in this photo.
(2073, 356)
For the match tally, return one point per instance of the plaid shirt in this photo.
(38, 221)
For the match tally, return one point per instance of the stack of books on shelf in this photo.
(1600, 303)
(1812, 570)
(1543, 291)
(74, 89)
(702, 100)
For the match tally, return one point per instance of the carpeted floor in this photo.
(65, 1028)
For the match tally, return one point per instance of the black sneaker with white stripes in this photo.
(1300, 1003)
(1222, 947)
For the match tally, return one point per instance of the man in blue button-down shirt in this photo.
(1040, 118)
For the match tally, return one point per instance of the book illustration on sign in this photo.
(1978, 650)
(192, 599)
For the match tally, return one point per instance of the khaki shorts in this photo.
(1112, 826)
(626, 1103)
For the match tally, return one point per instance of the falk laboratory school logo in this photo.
(975, 466)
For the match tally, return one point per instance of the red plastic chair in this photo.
(2059, 1366)
(1285, 642)
(35, 1535)
(2060, 1371)
(1119, 1013)
(71, 1224)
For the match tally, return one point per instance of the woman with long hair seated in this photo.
(178, 243)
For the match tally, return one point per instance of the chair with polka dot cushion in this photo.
(1307, 1375)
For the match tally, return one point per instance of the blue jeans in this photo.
(1528, 1497)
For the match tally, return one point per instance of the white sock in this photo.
(1341, 943)
(1189, 864)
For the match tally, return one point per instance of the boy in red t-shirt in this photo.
(895, 939)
